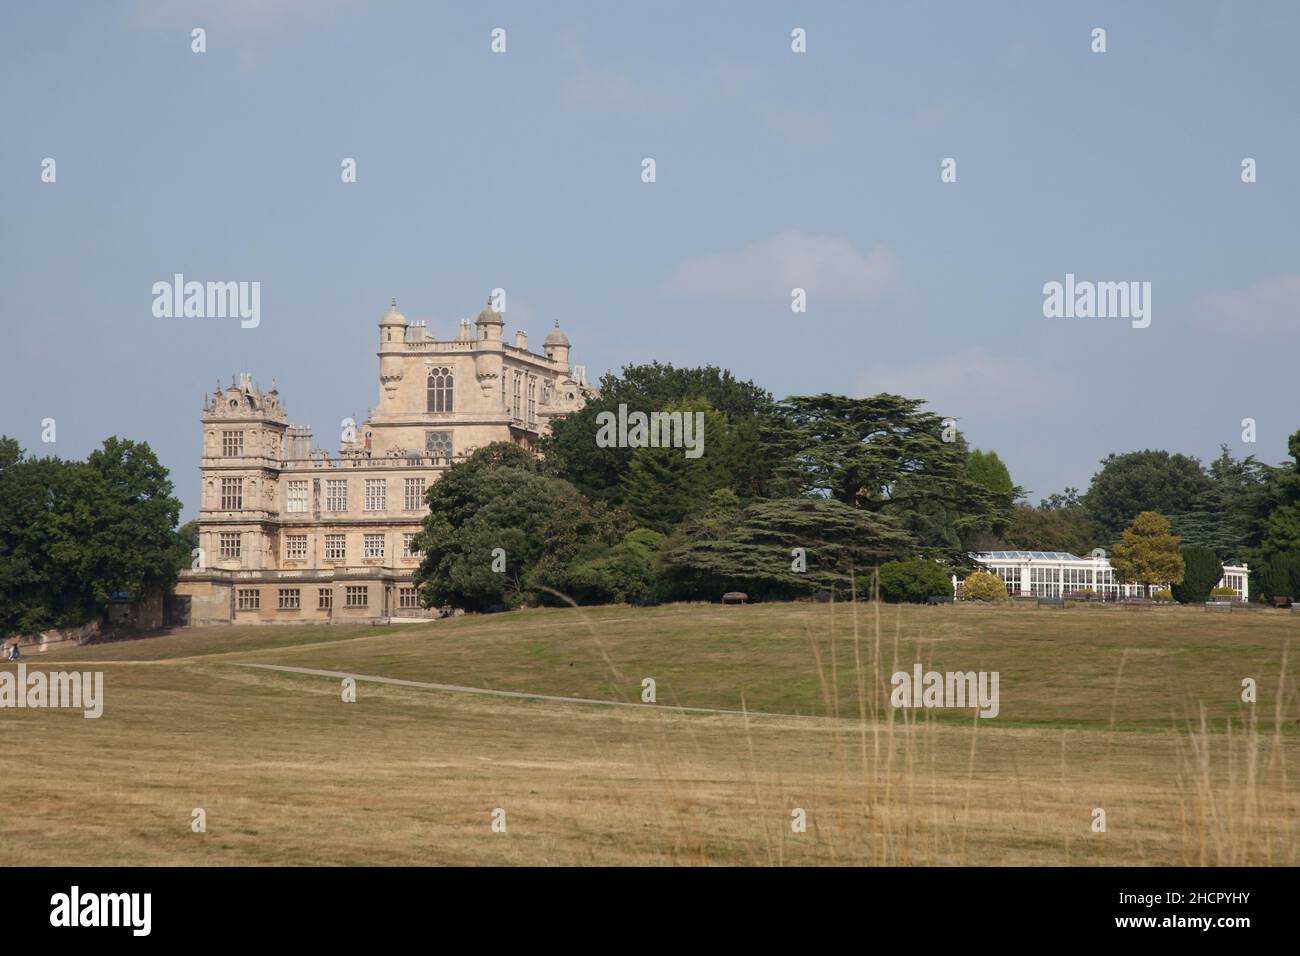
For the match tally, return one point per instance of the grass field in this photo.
(1136, 713)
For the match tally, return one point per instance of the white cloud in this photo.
(606, 93)
(1268, 306)
(794, 126)
(971, 385)
(828, 268)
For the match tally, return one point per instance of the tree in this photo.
(1202, 571)
(1282, 530)
(983, 586)
(987, 469)
(913, 581)
(1061, 528)
(187, 539)
(74, 533)
(130, 543)
(1143, 481)
(497, 530)
(1279, 576)
(884, 455)
(1148, 554)
(627, 574)
(779, 548)
(1229, 516)
(662, 485)
(572, 453)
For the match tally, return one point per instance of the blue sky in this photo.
(523, 170)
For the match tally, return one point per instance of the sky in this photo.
(774, 170)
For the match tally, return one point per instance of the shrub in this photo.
(913, 581)
(983, 586)
(626, 574)
(1223, 593)
(1279, 576)
(1164, 594)
(1202, 570)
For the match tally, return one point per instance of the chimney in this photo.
(521, 340)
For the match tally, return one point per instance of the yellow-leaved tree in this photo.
(1149, 553)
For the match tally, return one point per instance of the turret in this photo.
(488, 351)
(490, 323)
(556, 346)
(392, 335)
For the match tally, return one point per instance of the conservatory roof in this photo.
(1027, 555)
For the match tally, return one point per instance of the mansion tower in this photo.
(289, 533)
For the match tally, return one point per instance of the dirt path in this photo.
(457, 689)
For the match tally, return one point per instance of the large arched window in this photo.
(440, 390)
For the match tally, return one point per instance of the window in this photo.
(518, 385)
(376, 494)
(503, 391)
(1076, 579)
(356, 595)
(408, 597)
(437, 445)
(336, 494)
(232, 494)
(324, 599)
(295, 547)
(336, 547)
(408, 550)
(1011, 577)
(232, 444)
(374, 546)
(297, 496)
(414, 498)
(1045, 582)
(250, 599)
(230, 544)
(290, 599)
(440, 390)
(532, 400)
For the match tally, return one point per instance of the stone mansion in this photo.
(289, 533)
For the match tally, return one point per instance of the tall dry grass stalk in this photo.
(895, 787)
(1229, 781)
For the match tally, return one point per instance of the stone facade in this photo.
(290, 534)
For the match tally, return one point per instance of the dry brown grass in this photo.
(287, 773)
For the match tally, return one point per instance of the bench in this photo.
(1135, 603)
(939, 599)
(735, 597)
(1089, 596)
(1282, 602)
(1051, 602)
(1218, 605)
